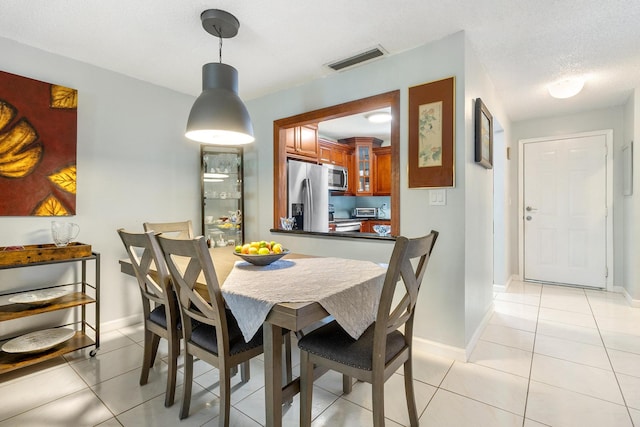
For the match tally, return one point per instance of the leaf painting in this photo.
(50, 207)
(38, 134)
(19, 151)
(65, 179)
(63, 97)
(7, 113)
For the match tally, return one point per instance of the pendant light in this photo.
(218, 116)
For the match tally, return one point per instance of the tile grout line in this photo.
(606, 350)
(533, 349)
(437, 389)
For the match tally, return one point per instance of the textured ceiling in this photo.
(524, 45)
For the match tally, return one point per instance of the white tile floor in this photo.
(550, 356)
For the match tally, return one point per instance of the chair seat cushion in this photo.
(204, 336)
(333, 343)
(159, 316)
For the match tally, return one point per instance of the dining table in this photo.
(294, 293)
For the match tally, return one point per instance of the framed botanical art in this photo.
(484, 135)
(432, 134)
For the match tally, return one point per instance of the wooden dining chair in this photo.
(178, 230)
(216, 339)
(159, 304)
(382, 348)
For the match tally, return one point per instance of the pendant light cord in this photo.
(220, 51)
(219, 31)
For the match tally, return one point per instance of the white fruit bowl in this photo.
(262, 260)
(382, 230)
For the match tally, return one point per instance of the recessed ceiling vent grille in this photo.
(356, 59)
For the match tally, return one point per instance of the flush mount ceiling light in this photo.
(379, 117)
(566, 88)
(218, 116)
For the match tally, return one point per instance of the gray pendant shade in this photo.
(218, 116)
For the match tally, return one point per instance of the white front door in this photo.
(565, 210)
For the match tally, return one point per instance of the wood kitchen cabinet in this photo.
(363, 169)
(333, 153)
(351, 179)
(324, 151)
(302, 142)
(382, 171)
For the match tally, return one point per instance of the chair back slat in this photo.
(401, 270)
(178, 230)
(150, 287)
(199, 266)
(399, 315)
(145, 255)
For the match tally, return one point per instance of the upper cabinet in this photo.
(302, 142)
(382, 171)
(333, 153)
(363, 169)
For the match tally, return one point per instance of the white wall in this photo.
(133, 163)
(633, 285)
(607, 118)
(631, 204)
(440, 312)
(456, 287)
(501, 252)
(479, 236)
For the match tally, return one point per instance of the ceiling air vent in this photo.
(356, 59)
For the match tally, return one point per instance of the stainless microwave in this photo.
(338, 177)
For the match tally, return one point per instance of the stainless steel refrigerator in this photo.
(308, 196)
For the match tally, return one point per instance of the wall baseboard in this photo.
(439, 349)
(120, 323)
(500, 288)
(451, 352)
(632, 302)
(471, 345)
(503, 288)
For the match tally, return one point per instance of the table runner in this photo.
(349, 290)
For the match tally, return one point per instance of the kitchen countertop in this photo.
(335, 220)
(347, 234)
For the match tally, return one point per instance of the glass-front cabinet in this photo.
(222, 195)
(363, 159)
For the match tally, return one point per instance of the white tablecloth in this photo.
(347, 289)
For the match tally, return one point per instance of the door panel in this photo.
(565, 211)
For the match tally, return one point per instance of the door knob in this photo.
(528, 218)
(530, 209)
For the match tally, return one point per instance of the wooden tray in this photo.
(40, 253)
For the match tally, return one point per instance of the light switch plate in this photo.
(438, 197)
